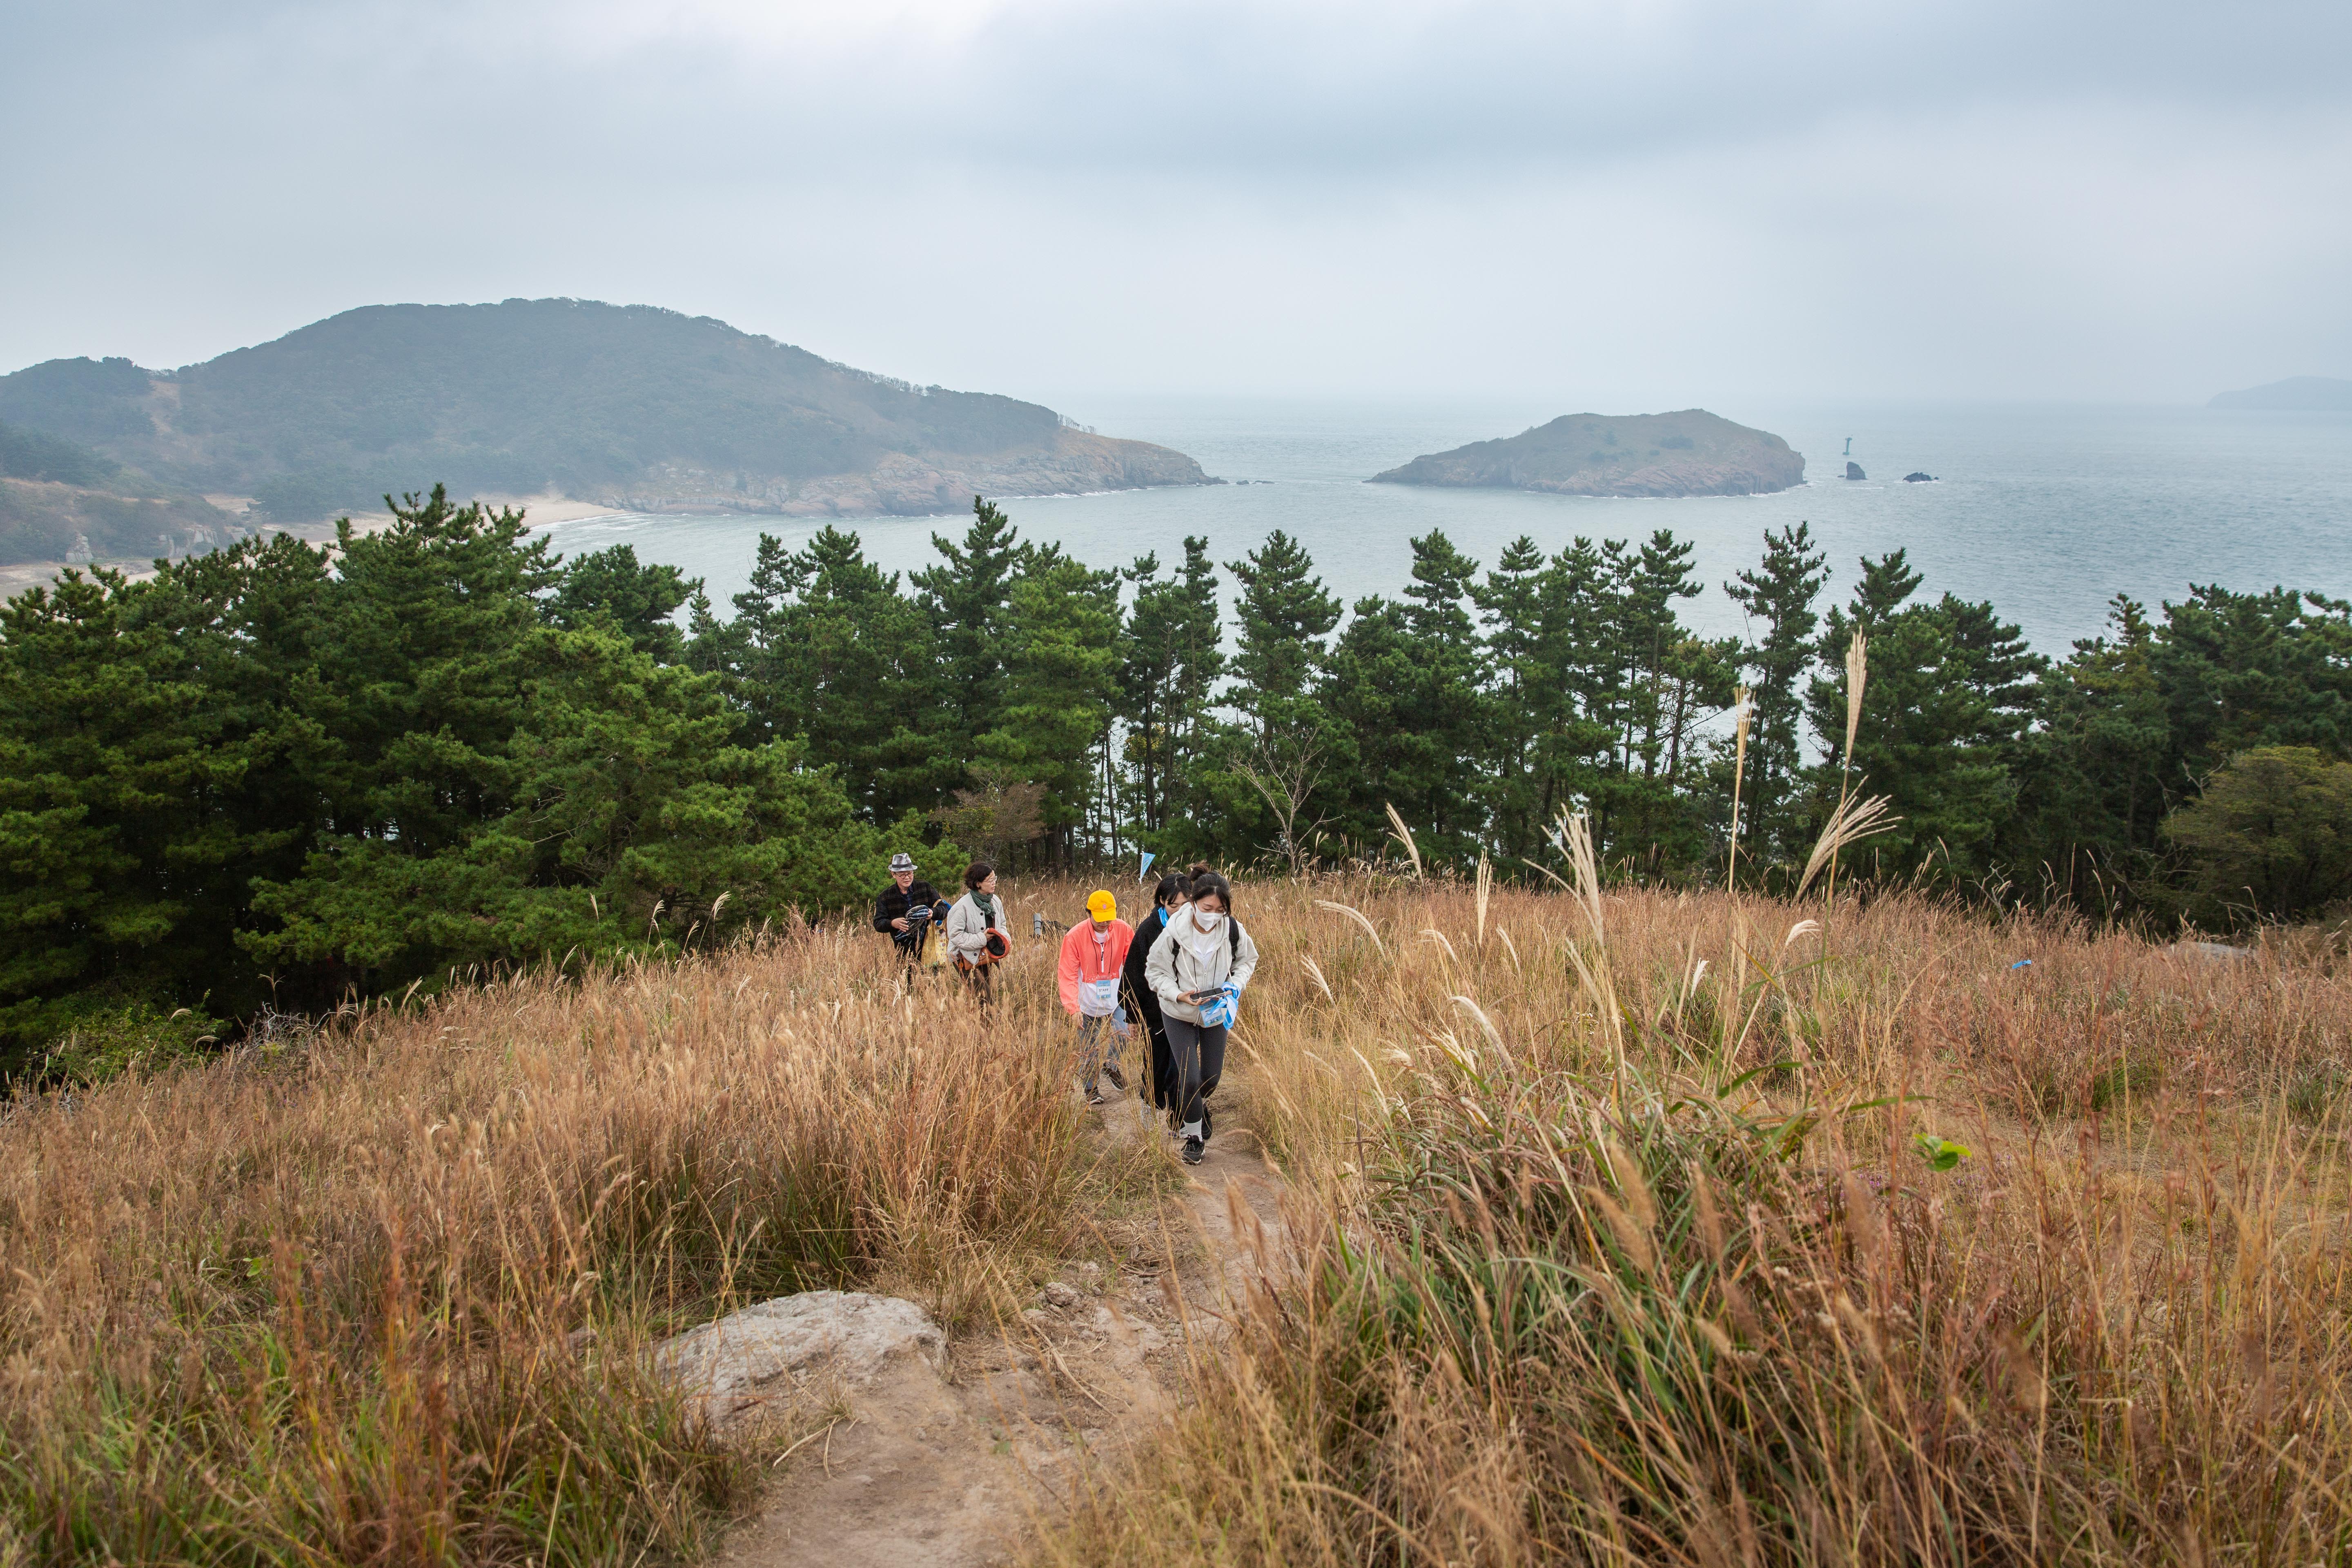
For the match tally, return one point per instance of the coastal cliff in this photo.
(1689, 453)
(1069, 462)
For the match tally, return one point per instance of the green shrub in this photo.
(2135, 1079)
(105, 1044)
(2272, 835)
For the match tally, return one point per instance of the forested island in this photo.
(296, 773)
(635, 407)
(1689, 453)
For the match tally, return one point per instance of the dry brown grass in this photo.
(330, 1307)
(1676, 1313)
(382, 1300)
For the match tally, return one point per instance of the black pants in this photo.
(1199, 1055)
(1160, 1087)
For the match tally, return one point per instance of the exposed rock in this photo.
(1689, 453)
(735, 1366)
(1853, 471)
(1918, 478)
(2212, 951)
(45, 520)
(1074, 462)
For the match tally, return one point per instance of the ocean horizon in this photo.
(2046, 511)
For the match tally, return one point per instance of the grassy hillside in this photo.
(1643, 1228)
(60, 498)
(639, 404)
(1691, 453)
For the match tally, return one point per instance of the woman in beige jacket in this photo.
(975, 920)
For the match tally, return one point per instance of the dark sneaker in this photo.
(1191, 1150)
(1117, 1078)
(1095, 1097)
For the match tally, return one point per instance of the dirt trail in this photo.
(932, 1473)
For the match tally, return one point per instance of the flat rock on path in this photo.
(769, 1352)
(947, 1461)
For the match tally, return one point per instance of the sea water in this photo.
(2046, 511)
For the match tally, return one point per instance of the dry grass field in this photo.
(1632, 1228)
(377, 1298)
(1640, 1234)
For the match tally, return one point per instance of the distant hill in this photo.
(628, 405)
(2297, 392)
(1692, 453)
(62, 500)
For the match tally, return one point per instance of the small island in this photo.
(1689, 453)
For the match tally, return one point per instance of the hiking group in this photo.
(1179, 974)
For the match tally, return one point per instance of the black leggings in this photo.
(1198, 1054)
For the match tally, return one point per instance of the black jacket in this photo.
(1142, 1005)
(893, 905)
(1140, 1002)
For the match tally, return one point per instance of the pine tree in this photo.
(864, 680)
(1285, 614)
(1780, 595)
(502, 790)
(753, 652)
(1407, 682)
(115, 763)
(1948, 699)
(1171, 657)
(1060, 647)
(966, 598)
(1581, 653)
(1528, 697)
(429, 632)
(2093, 786)
(1640, 814)
(610, 589)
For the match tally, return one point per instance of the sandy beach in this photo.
(539, 509)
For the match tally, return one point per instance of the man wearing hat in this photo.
(1092, 955)
(906, 910)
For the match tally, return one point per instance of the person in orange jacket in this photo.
(1092, 955)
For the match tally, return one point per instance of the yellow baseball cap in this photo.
(1101, 905)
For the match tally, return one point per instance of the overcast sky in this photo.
(1624, 205)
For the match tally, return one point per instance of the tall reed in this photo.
(1931, 1301)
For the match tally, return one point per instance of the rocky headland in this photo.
(1688, 453)
(911, 484)
(2296, 394)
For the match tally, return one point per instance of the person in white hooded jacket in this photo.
(1203, 956)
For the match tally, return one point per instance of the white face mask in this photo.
(1205, 923)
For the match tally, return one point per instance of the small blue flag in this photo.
(1145, 871)
(2022, 963)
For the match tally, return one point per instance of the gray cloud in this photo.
(1949, 199)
